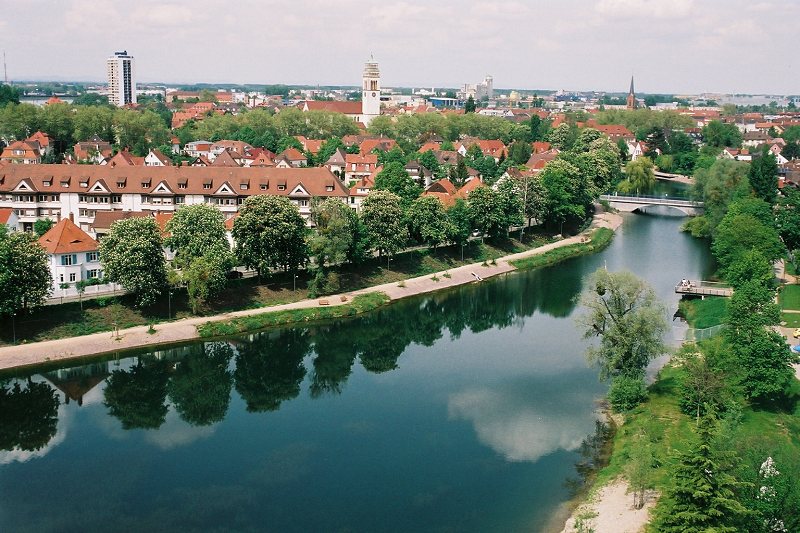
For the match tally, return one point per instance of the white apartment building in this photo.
(121, 79)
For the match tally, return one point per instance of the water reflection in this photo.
(269, 368)
(205, 370)
(527, 419)
(28, 415)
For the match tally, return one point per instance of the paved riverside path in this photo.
(186, 329)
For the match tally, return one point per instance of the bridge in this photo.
(630, 204)
(702, 288)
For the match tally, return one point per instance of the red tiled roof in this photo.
(5, 214)
(347, 108)
(65, 238)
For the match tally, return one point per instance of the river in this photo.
(466, 410)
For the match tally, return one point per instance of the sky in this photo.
(670, 46)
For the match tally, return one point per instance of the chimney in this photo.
(71, 216)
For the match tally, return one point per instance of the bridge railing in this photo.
(645, 199)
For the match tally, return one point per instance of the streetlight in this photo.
(14, 326)
(294, 283)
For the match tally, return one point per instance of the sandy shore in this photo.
(186, 330)
(611, 510)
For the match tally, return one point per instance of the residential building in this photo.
(73, 255)
(93, 150)
(56, 191)
(359, 166)
(121, 79)
(156, 159)
(9, 219)
(291, 158)
(22, 152)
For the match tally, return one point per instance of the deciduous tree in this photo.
(382, 215)
(132, 255)
(270, 233)
(25, 279)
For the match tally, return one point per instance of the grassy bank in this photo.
(100, 314)
(599, 239)
(789, 297)
(360, 304)
(706, 313)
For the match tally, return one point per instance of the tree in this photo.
(751, 266)
(701, 384)
(763, 177)
(791, 150)
(25, 280)
(787, 218)
(640, 177)
(717, 186)
(132, 255)
(510, 200)
(459, 173)
(8, 95)
(90, 121)
(197, 231)
(469, 107)
(625, 313)
(338, 238)
(395, 179)
(200, 387)
(270, 233)
(763, 358)
(204, 277)
(382, 216)
(485, 211)
(427, 221)
(460, 225)
(737, 234)
(703, 494)
(429, 161)
(519, 152)
(42, 226)
(534, 197)
(721, 135)
(563, 198)
(639, 469)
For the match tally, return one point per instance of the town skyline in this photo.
(686, 48)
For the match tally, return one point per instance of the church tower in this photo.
(631, 102)
(371, 92)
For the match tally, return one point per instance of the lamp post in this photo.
(14, 326)
(294, 283)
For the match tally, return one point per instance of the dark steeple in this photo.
(631, 101)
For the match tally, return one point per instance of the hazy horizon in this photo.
(681, 47)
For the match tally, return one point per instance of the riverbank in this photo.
(190, 328)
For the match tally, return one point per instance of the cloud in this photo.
(645, 9)
(522, 426)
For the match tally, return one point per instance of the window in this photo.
(121, 184)
(93, 274)
(281, 187)
(61, 278)
(116, 198)
(182, 185)
(26, 198)
(145, 185)
(65, 184)
(72, 277)
(263, 187)
(84, 183)
(47, 183)
(69, 259)
(303, 203)
(206, 185)
(244, 186)
(180, 200)
(91, 257)
(145, 199)
(329, 188)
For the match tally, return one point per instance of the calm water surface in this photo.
(462, 411)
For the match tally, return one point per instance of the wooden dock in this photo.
(703, 289)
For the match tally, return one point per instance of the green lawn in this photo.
(792, 319)
(600, 238)
(706, 313)
(789, 297)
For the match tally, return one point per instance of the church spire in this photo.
(631, 101)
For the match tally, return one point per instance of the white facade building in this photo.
(121, 79)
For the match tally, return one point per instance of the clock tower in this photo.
(371, 92)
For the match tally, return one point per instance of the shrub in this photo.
(626, 392)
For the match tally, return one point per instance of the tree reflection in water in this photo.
(200, 387)
(137, 397)
(28, 415)
(269, 368)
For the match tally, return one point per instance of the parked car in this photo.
(796, 333)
